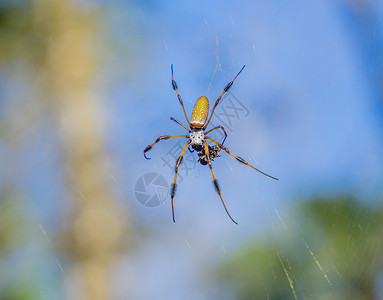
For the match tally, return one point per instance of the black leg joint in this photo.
(165, 137)
(173, 190)
(147, 149)
(174, 84)
(216, 186)
(228, 86)
(179, 160)
(241, 160)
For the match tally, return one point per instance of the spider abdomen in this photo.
(200, 112)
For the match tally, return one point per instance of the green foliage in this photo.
(13, 224)
(20, 34)
(334, 250)
(20, 292)
(16, 282)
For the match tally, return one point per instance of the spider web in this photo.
(248, 136)
(309, 96)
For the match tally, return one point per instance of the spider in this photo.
(197, 139)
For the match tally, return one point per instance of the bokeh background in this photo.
(85, 87)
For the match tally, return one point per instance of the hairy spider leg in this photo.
(175, 87)
(173, 189)
(215, 182)
(164, 137)
(227, 87)
(240, 159)
(223, 129)
(179, 123)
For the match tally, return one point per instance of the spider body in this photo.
(200, 113)
(197, 139)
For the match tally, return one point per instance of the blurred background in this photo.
(85, 86)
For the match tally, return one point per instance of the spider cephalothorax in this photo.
(197, 139)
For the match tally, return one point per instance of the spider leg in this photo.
(164, 137)
(179, 123)
(191, 151)
(227, 87)
(215, 182)
(175, 87)
(240, 159)
(174, 184)
(223, 129)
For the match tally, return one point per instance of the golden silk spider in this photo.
(197, 139)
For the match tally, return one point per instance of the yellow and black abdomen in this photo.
(200, 112)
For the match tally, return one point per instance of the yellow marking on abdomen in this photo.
(200, 112)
